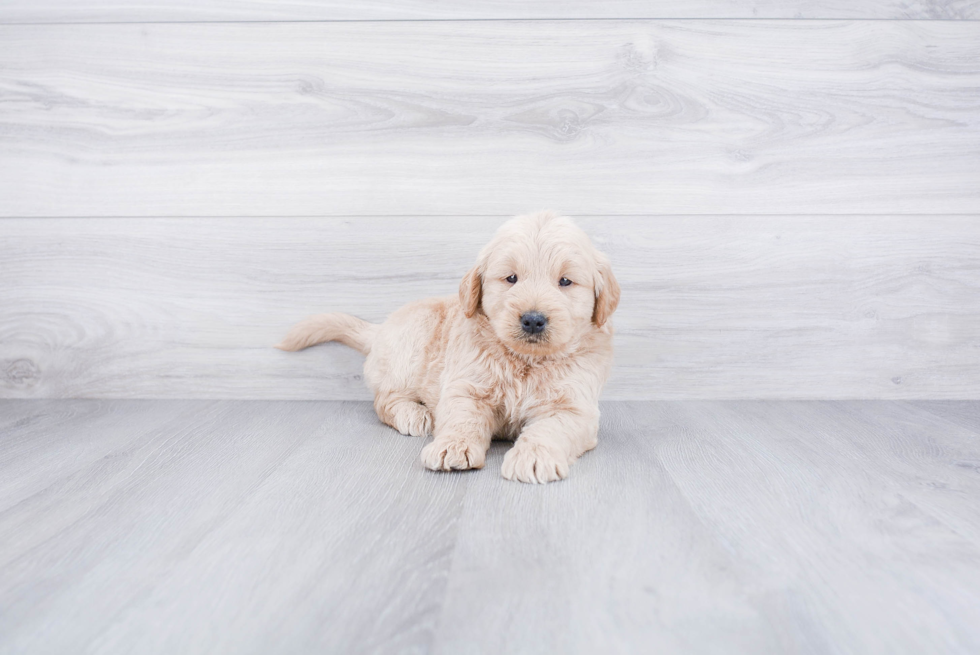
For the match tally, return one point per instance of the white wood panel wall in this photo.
(713, 306)
(792, 205)
(59, 11)
(490, 117)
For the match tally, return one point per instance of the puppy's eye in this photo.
(512, 279)
(564, 282)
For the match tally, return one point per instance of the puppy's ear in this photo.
(606, 293)
(471, 291)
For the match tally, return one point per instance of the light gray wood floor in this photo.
(242, 526)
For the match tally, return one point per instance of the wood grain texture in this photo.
(747, 468)
(966, 415)
(101, 11)
(62, 439)
(694, 527)
(97, 551)
(933, 473)
(713, 307)
(719, 527)
(488, 118)
(617, 561)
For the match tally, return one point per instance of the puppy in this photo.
(522, 353)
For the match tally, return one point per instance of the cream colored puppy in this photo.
(522, 353)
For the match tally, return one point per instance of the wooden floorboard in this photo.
(73, 11)
(17, 414)
(963, 414)
(712, 307)
(616, 560)
(490, 118)
(694, 527)
(932, 459)
(63, 440)
(167, 508)
(836, 544)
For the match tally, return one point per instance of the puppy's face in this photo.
(541, 284)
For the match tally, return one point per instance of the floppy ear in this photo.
(606, 293)
(471, 291)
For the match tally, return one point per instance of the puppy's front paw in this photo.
(535, 463)
(413, 419)
(453, 453)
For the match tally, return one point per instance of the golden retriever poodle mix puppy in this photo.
(521, 353)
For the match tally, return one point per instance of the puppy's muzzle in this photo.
(533, 323)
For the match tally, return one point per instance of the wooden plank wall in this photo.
(115, 11)
(491, 118)
(791, 204)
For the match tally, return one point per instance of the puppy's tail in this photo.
(348, 330)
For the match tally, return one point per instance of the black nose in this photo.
(533, 322)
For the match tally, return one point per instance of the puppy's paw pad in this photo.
(534, 463)
(453, 455)
(413, 419)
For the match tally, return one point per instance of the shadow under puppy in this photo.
(522, 353)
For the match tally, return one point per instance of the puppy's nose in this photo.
(533, 322)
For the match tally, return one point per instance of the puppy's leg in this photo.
(464, 428)
(548, 446)
(403, 413)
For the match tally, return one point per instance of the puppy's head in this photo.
(541, 284)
